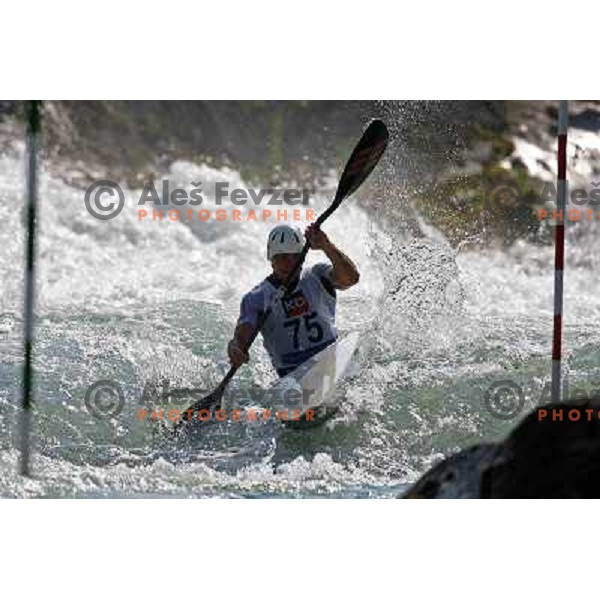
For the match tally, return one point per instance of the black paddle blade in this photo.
(212, 401)
(363, 160)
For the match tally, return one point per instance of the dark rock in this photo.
(459, 476)
(588, 119)
(543, 457)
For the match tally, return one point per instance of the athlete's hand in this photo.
(237, 357)
(317, 239)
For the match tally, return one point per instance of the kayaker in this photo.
(303, 322)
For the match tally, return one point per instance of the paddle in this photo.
(362, 161)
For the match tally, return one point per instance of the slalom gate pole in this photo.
(559, 249)
(31, 158)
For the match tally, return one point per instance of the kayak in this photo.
(303, 398)
(310, 390)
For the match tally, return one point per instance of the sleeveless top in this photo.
(299, 325)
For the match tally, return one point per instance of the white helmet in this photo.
(284, 239)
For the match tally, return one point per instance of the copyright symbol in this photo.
(98, 207)
(104, 399)
(503, 198)
(504, 399)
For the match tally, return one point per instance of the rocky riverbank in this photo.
(493, 194)
(448, 162)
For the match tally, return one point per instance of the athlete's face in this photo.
(283, 264)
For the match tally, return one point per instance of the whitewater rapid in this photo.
(141, 301)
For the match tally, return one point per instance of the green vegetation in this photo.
(490, 202)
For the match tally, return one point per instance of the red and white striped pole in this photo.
(559, 250)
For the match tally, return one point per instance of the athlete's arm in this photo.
(250, 308)
(344, 273)
(235, 348)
